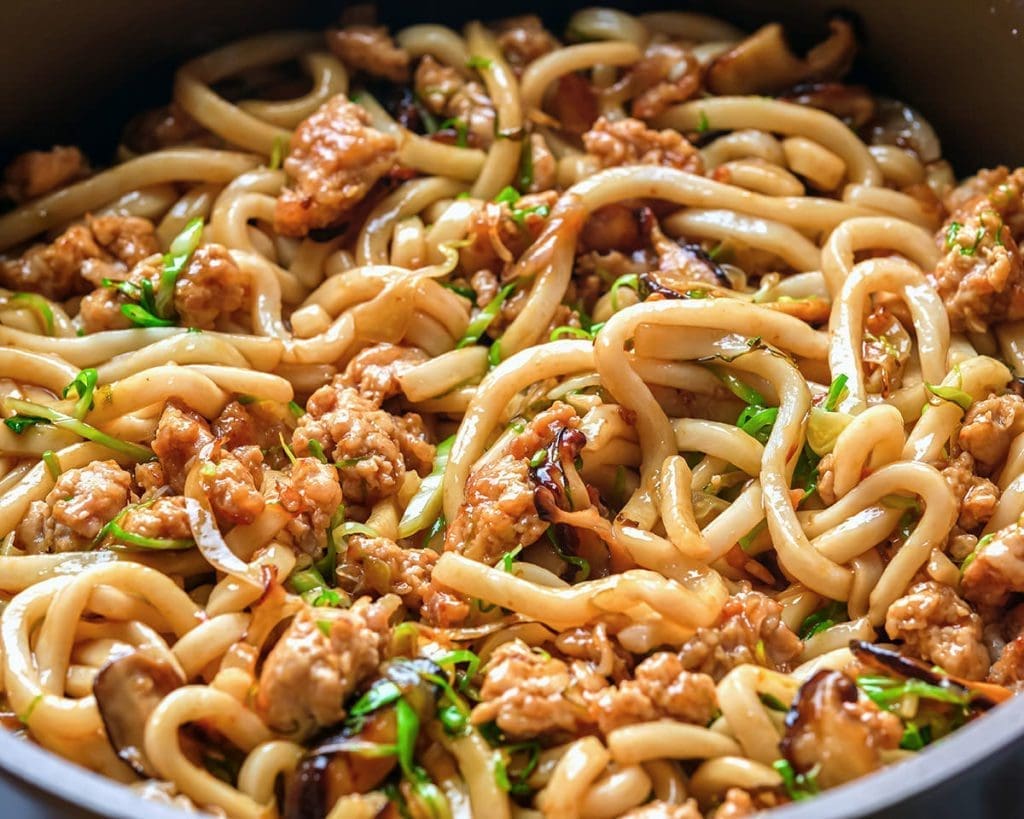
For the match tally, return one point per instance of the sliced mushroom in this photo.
(983, 695)
(681, 267)
(831, 729)
(348, 760)
(127, 690)
(900, 125)
(764, 63)
(853, 104)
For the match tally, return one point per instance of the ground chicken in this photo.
(181, 435)
(661, 689)
(524, 39)
(523, 692)
(71, 515)
(370, 49)
(977, 497)
(103, 247)
(980, 278)
(937, 626)
(447, 94)
(374, 372)
(631, 142)
(232, 489)
(996, 568)
(335, 157)
(442, 607)
(997, 188)
(749, 630)
(737, 805)
(166, 518)
(1008, 669)
(317, 663)
(372, 448)
(311, 493)
(37, 172)
(885, 349)
(665, 810)
(381, 566)
(988, 428)
(667, 74)
(100, 310)
(837, 733)
(212, 285)
(499, 512)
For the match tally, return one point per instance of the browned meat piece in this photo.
(446, 94)
(1008, 670)
(443, 607)
(71, 515)
(315, 665)
(212, 285)
(749, 630)
(103, 247)
(737, 805)
(988, 428)
(371, 448)
(835, 732)
(164, 519)
(232, 490)
(374, 371)
(996, 568)
(258, 423)
(937, 626)
(523, 692)
(665, 810)
(335, 157)
(981, 277)
(164, 127)
(499, 512)
(661, 688)
(999, 189)
(370, 49)
(667, 74)
(37, 172)
(311, 493)
(180, 436)
(630, 142)
(381, 566)
(523, 39)
(496, 237)
(575, 104)
(977, 497)
(100, 310)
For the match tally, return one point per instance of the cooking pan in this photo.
(75, 72)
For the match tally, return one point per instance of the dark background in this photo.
(74, 71)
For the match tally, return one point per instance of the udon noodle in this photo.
(472, 423)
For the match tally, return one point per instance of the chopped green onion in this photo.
(407, 727)
(29, 413)
(958, 396)
(425, 505)
(981, 544)
(581, 564)
(475, 61)
(52, 463)
(773, 702)
(703, 126)
(565, 331)
(494, 353)
(507, 196)
(822, 619)
(748, 539)
(24, 718)
(478, 326)
(630, 280)
(466, 292)
(316, 449)
(887, 692)
(517, 786)
(915, 736)
(306, 580)
(354, 527)
(461, 128)
(277, 153)
(296, 409)
(39, 306)
(746, 393)
(757, 422)
(324, 626)
(453, 719)
(951, 233)
(182, 247)
(519, 214)
(380, 695)
(799, 786)
(472, 661)
(538, 458)
(115, 531)
(836, 392)
(328, 597)
(287, 449)
(141, 317)
(84, 386)
(508, 557)
(901, 502)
